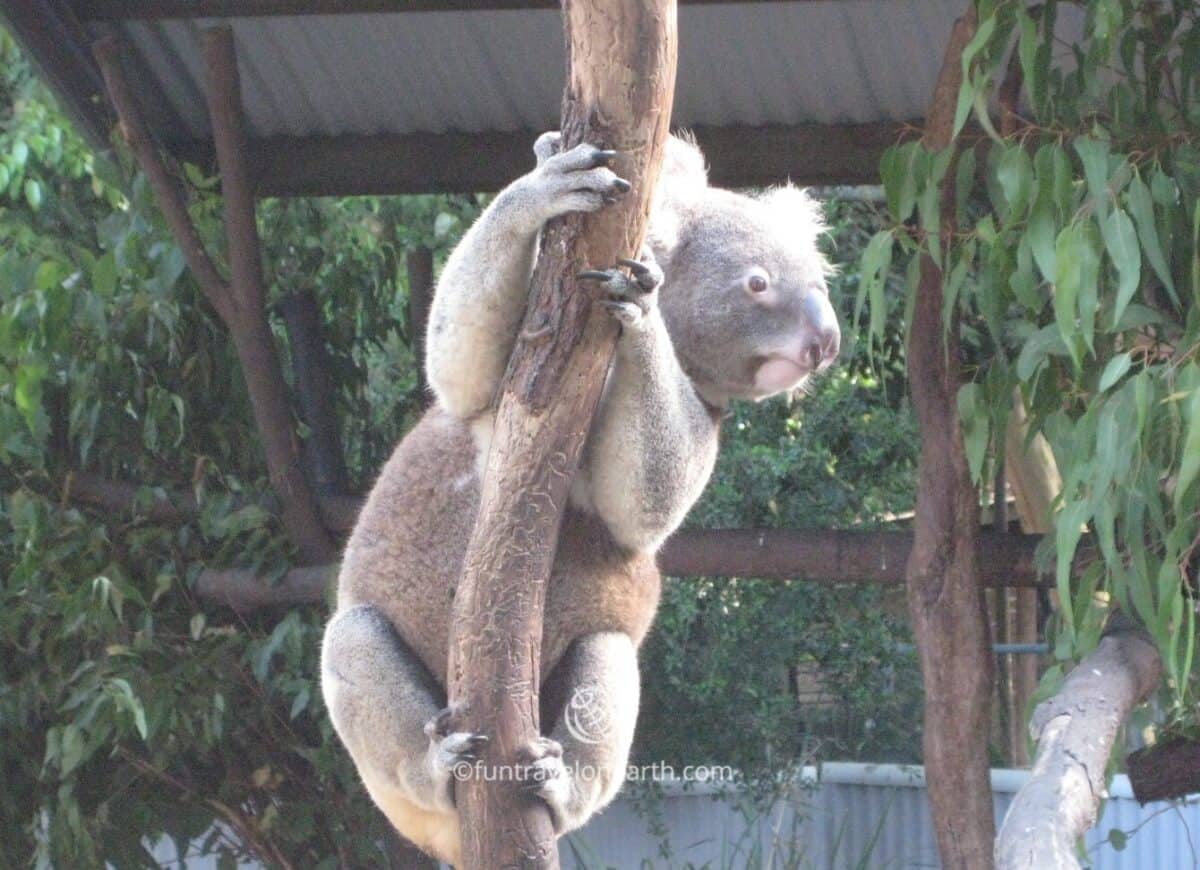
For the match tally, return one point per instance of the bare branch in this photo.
(167, 191)
(249, 327)
(1075, 731)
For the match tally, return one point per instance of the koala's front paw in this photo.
(629, 298)
(451, 756)
(544, 775)
(576, 180)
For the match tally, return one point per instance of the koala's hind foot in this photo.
(451, 754)
(629, 297)
(544, 774)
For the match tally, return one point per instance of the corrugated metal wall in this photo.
(858, 816)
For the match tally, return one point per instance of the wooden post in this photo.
(240, 302)
(1033, 476)
(621, 59)
(945, 595)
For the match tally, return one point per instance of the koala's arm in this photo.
(480, 297)
(654, 443)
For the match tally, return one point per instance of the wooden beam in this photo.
(54, 40)
(808, 154)
(825, 556)
(127, 10)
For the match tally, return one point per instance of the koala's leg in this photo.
(385, 707)
(581, 766)
(654, 442)
(481, 295)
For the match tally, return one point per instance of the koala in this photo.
(727, 301)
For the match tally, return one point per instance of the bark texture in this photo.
(945, 595)
(620, 81)
(240, 302)
(1075, 731)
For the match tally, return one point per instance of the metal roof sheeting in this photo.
(851, 61)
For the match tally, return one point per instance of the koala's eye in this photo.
(757, 284)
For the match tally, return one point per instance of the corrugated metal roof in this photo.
(852, 61)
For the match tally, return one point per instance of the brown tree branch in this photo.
(167, 192)
(239, 303)
(1075, 731)
(945, 595)
(249, 327)
(338, 512)
(620, 82)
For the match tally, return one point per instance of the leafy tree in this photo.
(1071, 243)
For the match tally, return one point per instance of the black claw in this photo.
(601, 157)
(594, 276)
(622, 185)
(635, 266)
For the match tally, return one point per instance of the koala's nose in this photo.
(824, 337)
(823, 349)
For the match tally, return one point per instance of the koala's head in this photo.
(745, 299)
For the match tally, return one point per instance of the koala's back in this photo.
(405, 554)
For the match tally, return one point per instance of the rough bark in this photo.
(945, 595)
(313, 378)
(240, 302)
(1165, 771)
(620, 82)
(1075, 731)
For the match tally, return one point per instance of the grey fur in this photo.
(729, 301)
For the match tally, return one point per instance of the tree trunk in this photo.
(419, 266)
(311, 366)
(945, 595)
(1075, 731)
(620, 83)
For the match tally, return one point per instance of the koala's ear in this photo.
(683, 163)
(795, 209)
(683, 179)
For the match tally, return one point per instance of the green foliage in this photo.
(128, 712)
(720, 667)
(1073, 272)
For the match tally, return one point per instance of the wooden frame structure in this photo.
(56, 35)
(942, 559)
